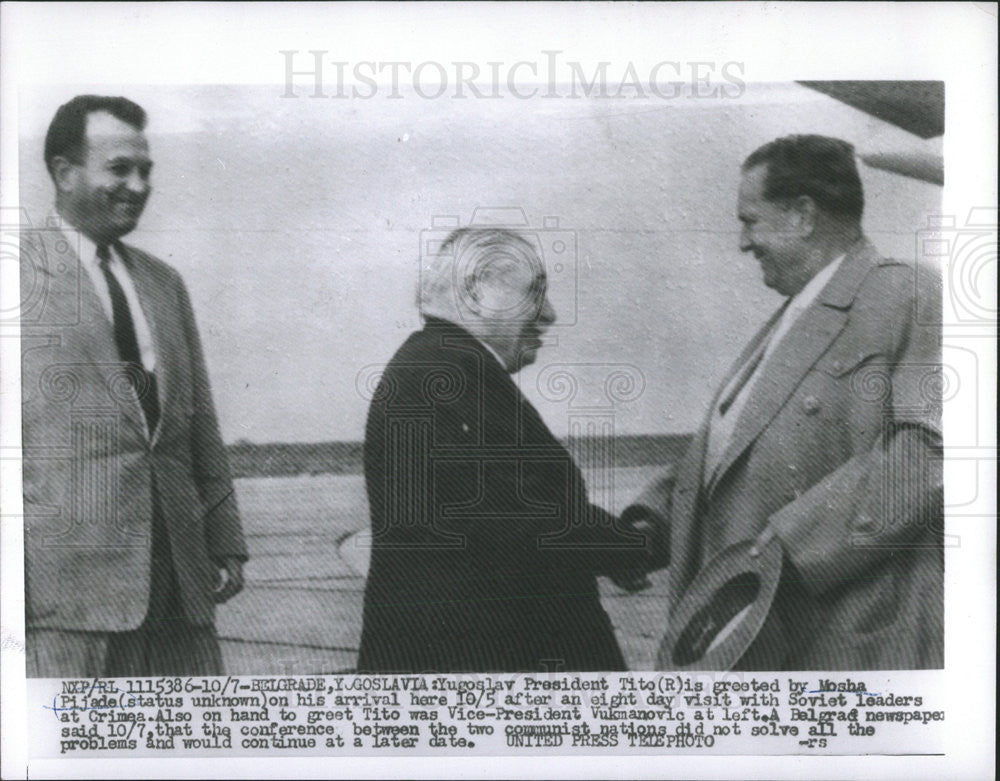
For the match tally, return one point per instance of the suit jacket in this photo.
(838, 447)
(485, 547)
(93, 477)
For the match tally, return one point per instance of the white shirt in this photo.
(722, 426)
(144, 337)
(495, 354)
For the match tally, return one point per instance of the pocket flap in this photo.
(842, 362)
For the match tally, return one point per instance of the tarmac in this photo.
(300, 612)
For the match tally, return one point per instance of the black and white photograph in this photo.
(579, 381)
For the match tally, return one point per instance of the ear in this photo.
(65, 174)
(472, 294)
(804, 213)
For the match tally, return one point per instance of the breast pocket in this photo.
(848, 390)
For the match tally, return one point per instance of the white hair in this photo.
(449, 277)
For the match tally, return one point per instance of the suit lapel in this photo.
(687, 490)
(76, 290)
(684, 516)
(159, 315)
(94, 337)
(744, 357)
(780, 375)
(808, 338)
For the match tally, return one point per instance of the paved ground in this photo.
(301, 610)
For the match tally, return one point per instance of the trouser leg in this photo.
(55, 653)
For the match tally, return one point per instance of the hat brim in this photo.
(723, 610)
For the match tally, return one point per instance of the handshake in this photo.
(641, 520)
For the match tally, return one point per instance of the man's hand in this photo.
(230, 579)
(763, 540)
(635, 580)
(632, 581)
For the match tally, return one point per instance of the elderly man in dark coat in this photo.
(485, 548)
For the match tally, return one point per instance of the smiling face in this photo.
(105, 193)
(773, 232)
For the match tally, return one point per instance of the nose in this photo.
(547, 315)
(137, 182)
(745, 243)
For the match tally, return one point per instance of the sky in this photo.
(298, 224)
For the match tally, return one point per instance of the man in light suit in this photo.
(485, 548)
(825, 434)
(131, 526)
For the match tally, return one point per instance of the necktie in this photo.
(723, 425)
(128, 344)
(740, 380)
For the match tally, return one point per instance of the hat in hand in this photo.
(724, 611)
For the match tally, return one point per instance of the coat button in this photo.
(811, 405)
(838, 366)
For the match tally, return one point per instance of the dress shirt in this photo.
(723, 425)
(144, 337)
(494, 353)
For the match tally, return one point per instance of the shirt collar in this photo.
(88, 249)
(495, 355)
(813, 287)
(436, 321)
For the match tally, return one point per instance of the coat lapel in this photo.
(94, 336)
(67, 291)
(684, 530)
(803, 345)
(157, 310)
(684, 516)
